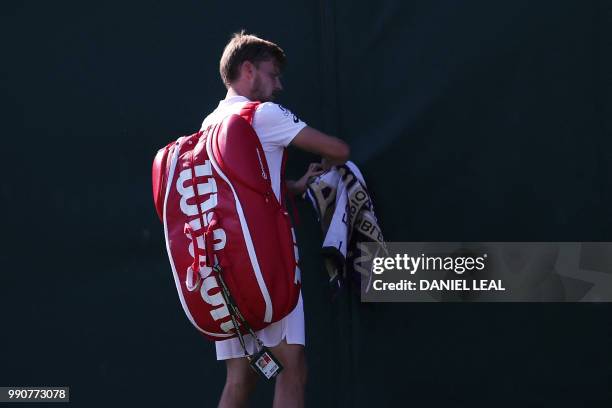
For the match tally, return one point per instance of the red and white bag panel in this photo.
(232, 217)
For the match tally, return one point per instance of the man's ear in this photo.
(247, 70)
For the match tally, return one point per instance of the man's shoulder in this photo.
(269, 112)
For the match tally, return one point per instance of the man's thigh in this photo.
(239, 371)
(291, 356)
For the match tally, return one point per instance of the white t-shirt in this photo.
(276, 127)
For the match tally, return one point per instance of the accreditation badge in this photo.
(265, 363)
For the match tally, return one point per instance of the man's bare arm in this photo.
(334, 150)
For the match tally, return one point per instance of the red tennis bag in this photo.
(231, 219)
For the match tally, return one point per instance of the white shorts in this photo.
(290, 328)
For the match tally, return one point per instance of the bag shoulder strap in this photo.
(248, 111)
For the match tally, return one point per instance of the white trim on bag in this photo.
(245, 231)
(174, 273)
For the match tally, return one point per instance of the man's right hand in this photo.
(299, 186)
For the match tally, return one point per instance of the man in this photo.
(250, 68)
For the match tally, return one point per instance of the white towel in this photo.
(347, 217)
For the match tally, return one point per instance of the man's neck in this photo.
(231, 91)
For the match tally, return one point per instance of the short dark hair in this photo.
(247, 47)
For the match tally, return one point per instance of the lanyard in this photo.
(235, 312)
